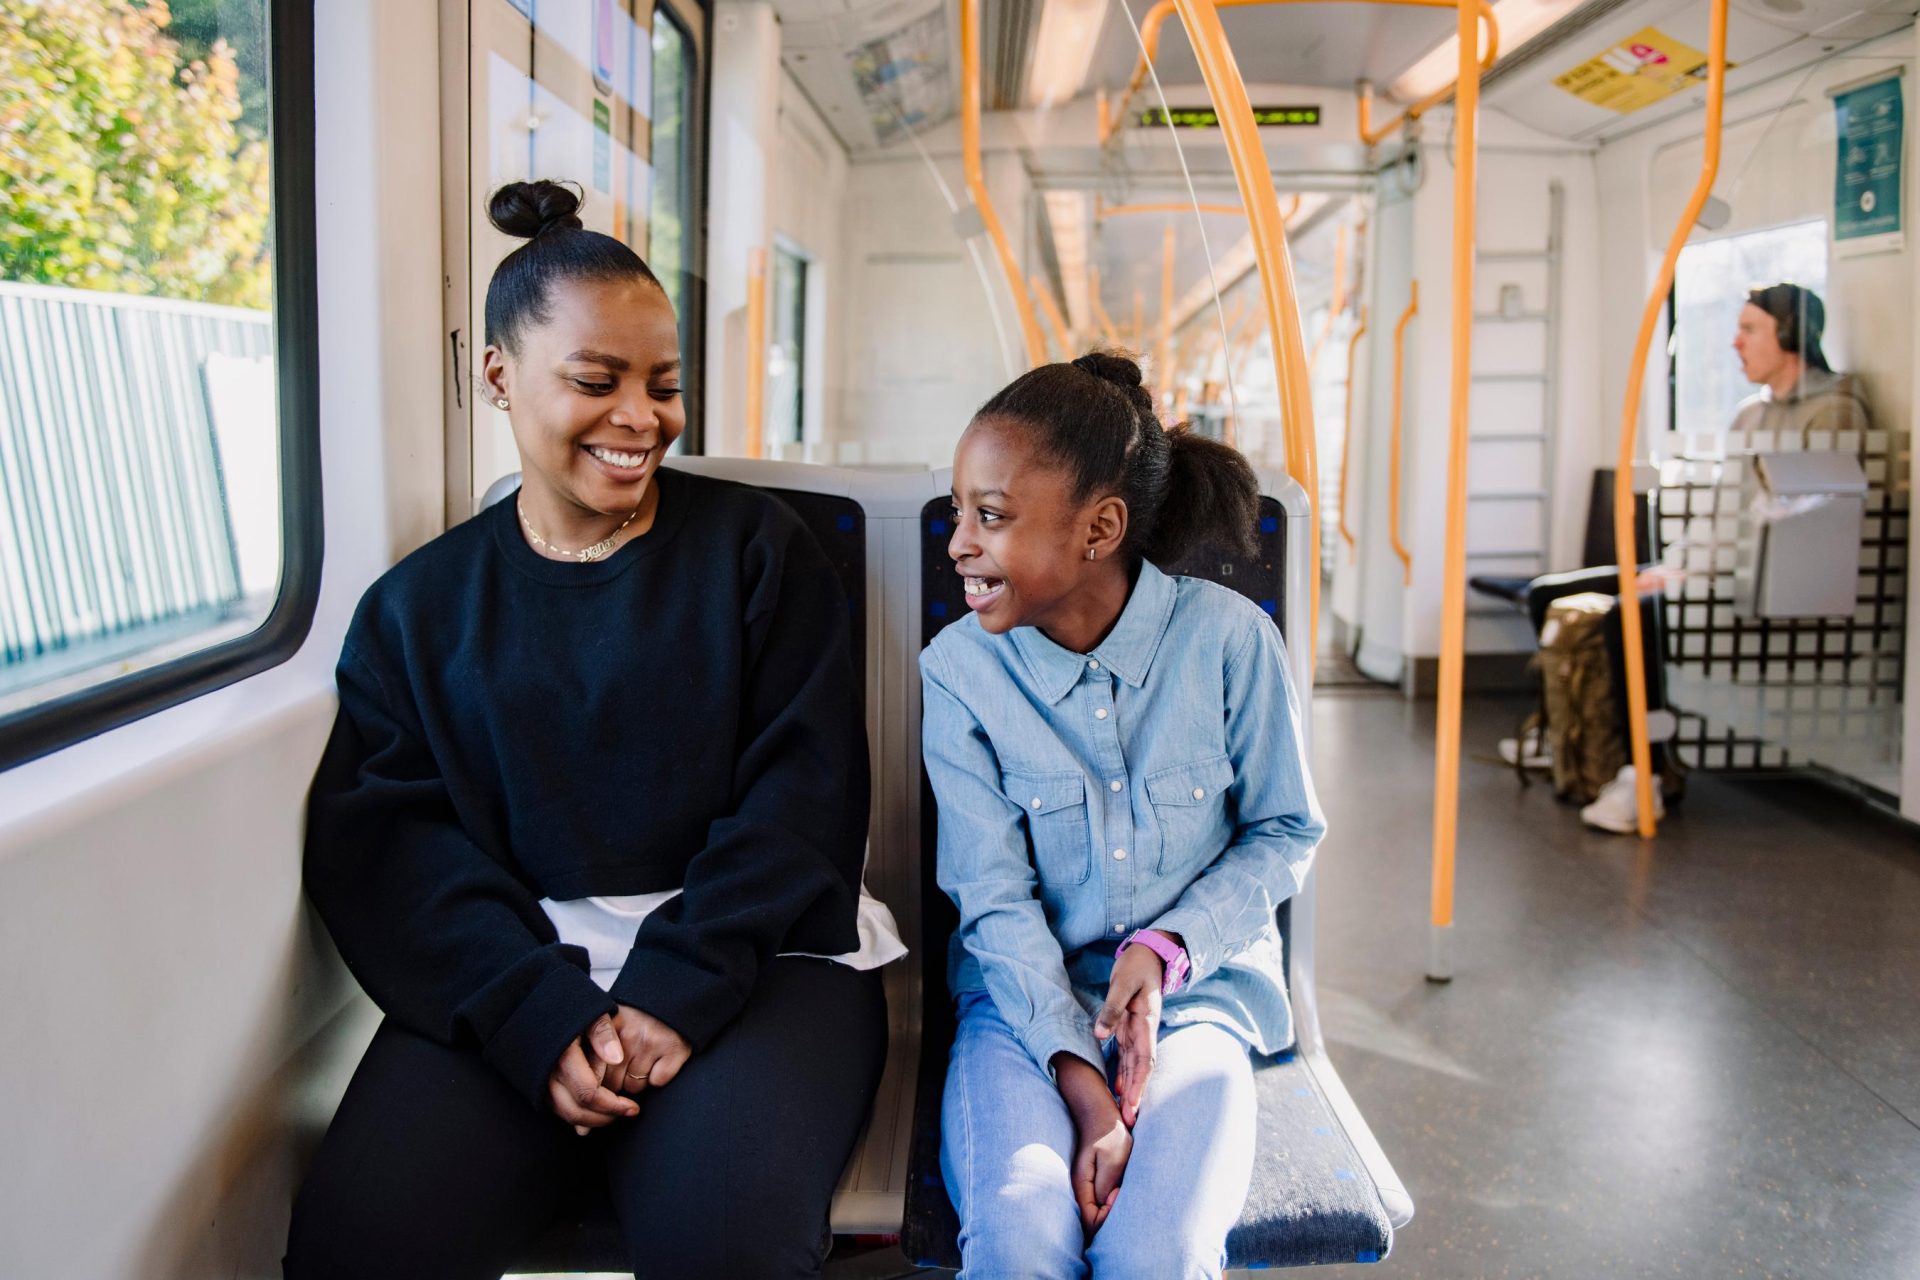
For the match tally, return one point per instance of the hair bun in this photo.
(531, 209)
(1110, 366)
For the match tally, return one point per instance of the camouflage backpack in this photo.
(1578, 704)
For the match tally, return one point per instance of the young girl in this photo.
(596, 794)
(1123, 803)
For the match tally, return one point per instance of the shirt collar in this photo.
(1128, 650)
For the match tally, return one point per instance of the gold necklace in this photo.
(584, 554)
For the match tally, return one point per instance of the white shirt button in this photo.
(1114, 785)
(1119, 855)
(1199, 793)
(1100, 714)
(1119, 928)
(1093, 664)
(1036, 802)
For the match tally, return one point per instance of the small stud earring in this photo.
(502, 402)
(1089, 553)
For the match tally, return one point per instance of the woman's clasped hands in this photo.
(618, 1055)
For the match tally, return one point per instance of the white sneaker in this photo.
(1617, 809)
(1538, 756)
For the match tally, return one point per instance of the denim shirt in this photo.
(1159, 781)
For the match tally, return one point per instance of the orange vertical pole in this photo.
(756, 351)
(1253, 174)
(1453, 567)
(1346, 440)
(977, 181)
(1393, 448)
(1624, 541)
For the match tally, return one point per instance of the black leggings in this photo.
(434, 1166)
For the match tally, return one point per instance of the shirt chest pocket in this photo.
(1190, 807)
(1057, 832)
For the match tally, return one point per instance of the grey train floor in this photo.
(1696, 1058)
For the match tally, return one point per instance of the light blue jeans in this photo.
(1007, 1153)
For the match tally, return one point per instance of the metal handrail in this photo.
(977, 182)
(1393, 454)
(1624, 540)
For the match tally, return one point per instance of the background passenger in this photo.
(1779, 346)
(599, 767)
(1123, 803)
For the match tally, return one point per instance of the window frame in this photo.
(60, 722)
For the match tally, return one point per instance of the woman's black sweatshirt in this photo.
(680, 715)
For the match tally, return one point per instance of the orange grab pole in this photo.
(977, 182)
(1393, 448)
(1056, 322)
(1112, 119)
(1624, 540)
(1346, 440)
(1453, 569)
(1370, 135)
(756, 350)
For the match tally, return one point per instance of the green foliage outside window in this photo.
(125, 162)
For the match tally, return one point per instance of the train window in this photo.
(673, 108)
(1710, 284)
(159, 522)
(787, 349)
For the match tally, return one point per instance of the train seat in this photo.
(1322, 1192)
(867, 521)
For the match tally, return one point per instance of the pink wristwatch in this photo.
(1175, 955)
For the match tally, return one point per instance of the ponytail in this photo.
(1095, 419)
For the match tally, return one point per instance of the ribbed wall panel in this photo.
(112, 511)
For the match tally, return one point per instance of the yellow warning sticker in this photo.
(1642, 69)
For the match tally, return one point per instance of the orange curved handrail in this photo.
(977, 182)
(1112, 120)
(1346, 439)
(1393, 449)
(1371, 136)
(1624, 540)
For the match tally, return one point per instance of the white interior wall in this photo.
(1517, 164)
(809, 192)
(920, 350)
(1379, 612)
(150, 904)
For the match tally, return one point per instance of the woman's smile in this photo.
(621, 464)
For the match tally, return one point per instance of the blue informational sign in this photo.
(1870, 133)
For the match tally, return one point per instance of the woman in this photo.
(599, 773)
